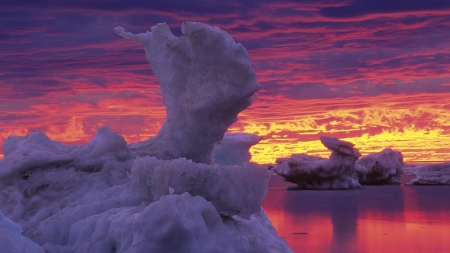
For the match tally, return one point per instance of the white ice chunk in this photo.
(385, 167)
(233, 149)
(339, 146)
(36, 150)
(65, 210)
(174, 223)
(206, 80)
(432, 174)
(233, 190)
(317, 173)
(12, 240)
(29, 152)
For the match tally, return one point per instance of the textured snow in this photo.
(12, 240)
(107, 196)
(310, 172)
(36, 150)
(206, 80)
(227, 187)
(432, 174)
(126, 205)
(385, 167)
(233, 149)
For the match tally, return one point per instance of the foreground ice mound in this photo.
(12, 240)
(317, 173)
(432, 174)
(135, 204)
(385, 167)
(233, 149)
(206, 80)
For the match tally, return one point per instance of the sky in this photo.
(373, 72)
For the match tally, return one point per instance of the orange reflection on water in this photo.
(297, 231)
(371, 219)
(397, 236)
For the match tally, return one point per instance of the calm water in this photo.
(392, 218)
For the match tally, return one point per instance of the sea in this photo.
(381, 218)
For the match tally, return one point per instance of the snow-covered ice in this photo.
(37, 150)
(385, 167)
(227, 187)
(125, 205)
(12, 240)
(206, 80)
(153, 196)
(310, 172)
(234, 148)
(432, 174)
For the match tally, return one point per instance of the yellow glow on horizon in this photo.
(417, 125)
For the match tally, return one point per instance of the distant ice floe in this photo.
(432, 174)
(160, 195)
(318, 173)
(343, 170)
(385, 167)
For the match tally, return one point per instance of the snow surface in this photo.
(310, 172)
(233, 149)
(206, 80)
(432, 174)
(107, 196)
(385, 167)
(12, 240)
(227, 187)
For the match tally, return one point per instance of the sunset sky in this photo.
(373, 72)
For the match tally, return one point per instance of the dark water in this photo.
(390, 218)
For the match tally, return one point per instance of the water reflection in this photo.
(373, 219)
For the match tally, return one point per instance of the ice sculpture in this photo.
(385, 167)
(317, 173)
(206, 80)
(432, 174)
(102, 197)
(233, 149)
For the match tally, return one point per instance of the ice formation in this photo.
(233, 149)
(310, 172)
(12, 240)
(25, 153)
(432, 174)
(107, 196)
(385, 167)
(227, 187)
(125, 205)
(206, 80)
